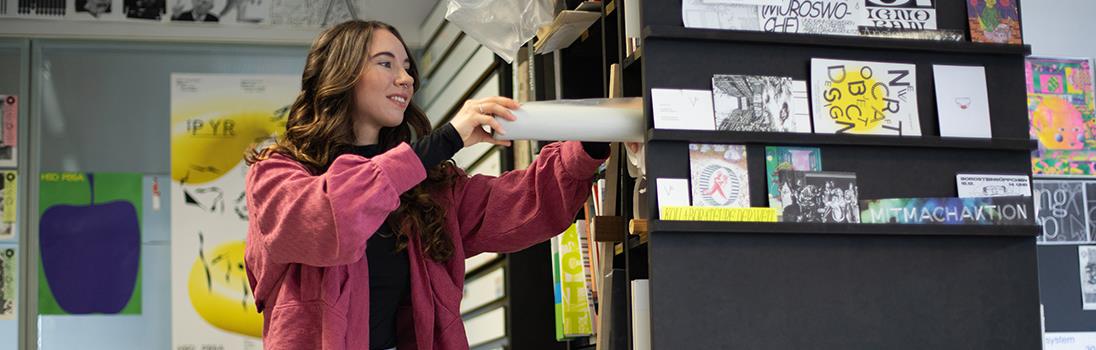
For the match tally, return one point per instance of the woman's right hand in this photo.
(475, 114)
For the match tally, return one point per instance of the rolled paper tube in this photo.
(597, 120)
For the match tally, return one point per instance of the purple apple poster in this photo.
(90, 243)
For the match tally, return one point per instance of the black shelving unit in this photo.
(840, 286)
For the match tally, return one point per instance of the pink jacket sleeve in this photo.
(325, 220)
(525, 207)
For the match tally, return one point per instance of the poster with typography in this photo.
(836, 17)
(1061, 110)
(903, 14)
(857, 97)
(1060, 210)
(214, 119)
(948, 211)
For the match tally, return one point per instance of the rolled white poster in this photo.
(598, 120)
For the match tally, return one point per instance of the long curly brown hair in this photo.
(320, 128)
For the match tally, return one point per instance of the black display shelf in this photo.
(774, 138)
(842, 229)
(859, 42)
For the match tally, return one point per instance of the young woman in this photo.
(359, 226)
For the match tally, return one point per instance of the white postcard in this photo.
(962, 101)
(682, 109)
(672, 193)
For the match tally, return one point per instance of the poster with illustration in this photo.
(719, 175)
(819, 196)
(787, 158)
(9, 282)
(214, 119)
(994, 21)
(1061, 110)
(89, 238)
(756, 103)
(1086, 258)
(9, 131)
(871, 98)
(9, 204)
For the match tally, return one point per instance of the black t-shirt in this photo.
(389, 270)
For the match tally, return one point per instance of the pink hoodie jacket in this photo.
(307, 234)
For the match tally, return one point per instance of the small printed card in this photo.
(683, 109)
(990, 185)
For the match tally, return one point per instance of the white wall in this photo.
(1062, 28)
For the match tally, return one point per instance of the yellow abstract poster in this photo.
(214, 119)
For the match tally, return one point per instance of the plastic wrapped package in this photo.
(503, 26)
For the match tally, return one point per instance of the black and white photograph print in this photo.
(755, 103)
(1086, 256)
(145, 9)
(94, 8)
(193, 11)
(819, 196)
(1060, 210)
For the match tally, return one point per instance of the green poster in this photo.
(90, 243)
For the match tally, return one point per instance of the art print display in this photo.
(948, 211)
(720, 15)
(89, 237)
(214, 118)
(994, 21)
(787, 158)
(719, 175)
(1060, 210)
(856, 97)
(1061, 110)
(818, 196)
(907, 14)
(756, 103)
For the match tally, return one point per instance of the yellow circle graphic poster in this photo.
(214, 120)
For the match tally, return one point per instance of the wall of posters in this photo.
(89, 235)
(214, 118)
(1061, 109)
(856, 97)
(269, 12)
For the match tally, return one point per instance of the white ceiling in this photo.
(406, 15)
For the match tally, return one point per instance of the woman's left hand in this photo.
(475, 114)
